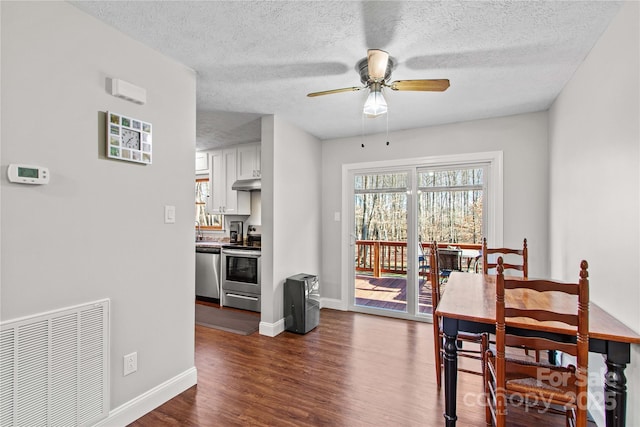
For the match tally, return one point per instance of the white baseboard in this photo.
(146, 402)
(333, 303)
(271, 329)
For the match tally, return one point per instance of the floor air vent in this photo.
(53, 367)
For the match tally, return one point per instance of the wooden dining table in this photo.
(468, 304)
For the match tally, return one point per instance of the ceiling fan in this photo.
(374, 71)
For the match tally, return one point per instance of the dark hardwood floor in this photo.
(352, 370)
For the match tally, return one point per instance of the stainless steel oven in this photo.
(241, 277)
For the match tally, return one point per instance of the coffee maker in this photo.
(235, 232)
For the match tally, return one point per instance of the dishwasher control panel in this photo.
(208, 249)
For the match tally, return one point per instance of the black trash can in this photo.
(301, 303)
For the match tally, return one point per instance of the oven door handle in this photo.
(245, 254)
(242, 296)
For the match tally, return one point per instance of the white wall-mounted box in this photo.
(128, 91)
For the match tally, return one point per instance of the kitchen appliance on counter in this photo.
(235, 232)
(254, 236)
(301, 303)
(208, 273)
(241, 277)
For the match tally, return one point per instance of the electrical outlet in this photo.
(130, 363)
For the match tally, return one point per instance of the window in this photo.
(450, 204)
(206, 220)
(381, 206)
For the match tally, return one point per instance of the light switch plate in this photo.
(169, 214)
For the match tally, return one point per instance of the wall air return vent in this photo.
(54, 367)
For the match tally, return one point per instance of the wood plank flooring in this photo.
(352, 370)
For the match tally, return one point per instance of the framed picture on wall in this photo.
(128, 139)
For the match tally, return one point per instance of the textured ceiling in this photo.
(262, 57)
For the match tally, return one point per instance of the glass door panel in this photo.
(380, 241)
(450, 211)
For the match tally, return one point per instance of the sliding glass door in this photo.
(395, 213)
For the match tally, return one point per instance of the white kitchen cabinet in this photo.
(248, 161)
(202, 162)
(224, 200)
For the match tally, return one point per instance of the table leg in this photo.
(450, 329)
(615, 384)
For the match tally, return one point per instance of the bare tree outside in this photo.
(449, 203)
(449, 206)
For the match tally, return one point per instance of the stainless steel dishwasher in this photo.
(208, 272)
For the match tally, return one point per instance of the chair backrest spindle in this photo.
(434, 272)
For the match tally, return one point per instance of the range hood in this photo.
(247, 185)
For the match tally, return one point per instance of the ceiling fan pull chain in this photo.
(387, 127)
(362, 133)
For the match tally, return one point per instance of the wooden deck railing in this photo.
(379, 257)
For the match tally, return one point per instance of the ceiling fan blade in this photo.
(377, 63)
(328, 92)
(433, 85)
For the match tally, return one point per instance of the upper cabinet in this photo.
(249, 161)
(224, 200)
(202, 162)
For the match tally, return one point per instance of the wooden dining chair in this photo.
(521, 265)
(449, 260)
(438, 335)
(512, 380)
(523, 258)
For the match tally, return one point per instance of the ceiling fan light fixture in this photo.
(375, 105)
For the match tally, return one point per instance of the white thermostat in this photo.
(28, 174)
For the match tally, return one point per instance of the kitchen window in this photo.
(206, 220)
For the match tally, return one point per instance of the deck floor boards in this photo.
(389, 293)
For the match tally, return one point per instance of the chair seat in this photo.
(550, 393)
(519, 380)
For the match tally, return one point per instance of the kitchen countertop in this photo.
(210, 243)
(218, 244)
(208, 247)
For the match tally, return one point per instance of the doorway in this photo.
(395, 210)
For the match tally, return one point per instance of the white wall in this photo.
(96, 231)
(594, 133)
(291, 229)
(523, 140)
